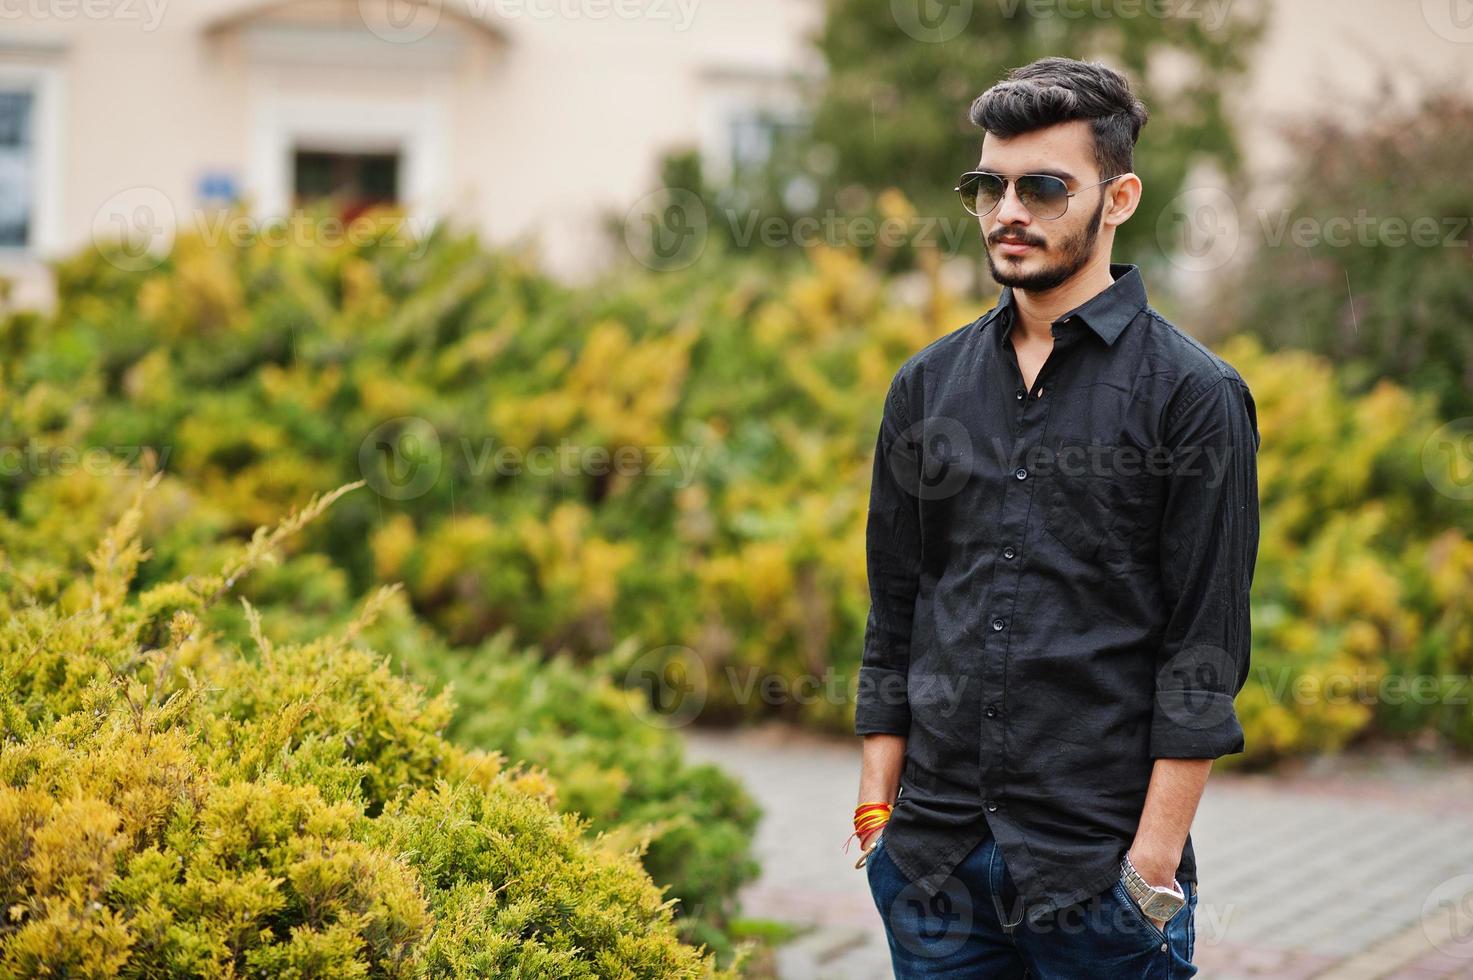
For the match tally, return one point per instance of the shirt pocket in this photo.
(1103, 502)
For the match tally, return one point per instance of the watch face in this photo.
(1161, 906)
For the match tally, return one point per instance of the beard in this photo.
(1073, 253)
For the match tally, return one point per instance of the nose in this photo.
(1010, 210)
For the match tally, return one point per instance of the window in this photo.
(756, 135)
(17, 167)
(356, 181)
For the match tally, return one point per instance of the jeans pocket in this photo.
(1122, 895)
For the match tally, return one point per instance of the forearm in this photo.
(880, 767)
(1171, 804)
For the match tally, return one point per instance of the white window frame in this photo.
(45, 83)
(415, 130)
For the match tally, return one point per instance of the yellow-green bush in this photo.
(174, 805)
(264, 369)
(1360, 611)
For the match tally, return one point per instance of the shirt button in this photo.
(998, 624)
(992, 806)
(1020, 473)
(1019, 394)
(1163, 947)
(992, 711)
(1008, 552)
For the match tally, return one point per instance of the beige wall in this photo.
(520, 124)
(523, 118)
(1318, 57)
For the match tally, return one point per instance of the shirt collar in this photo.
(1107, 313)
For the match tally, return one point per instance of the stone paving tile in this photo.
(1330, 872)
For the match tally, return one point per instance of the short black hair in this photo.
(1055, 90)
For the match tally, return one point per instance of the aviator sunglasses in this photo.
(1044, 196)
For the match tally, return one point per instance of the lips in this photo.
(1013, 247)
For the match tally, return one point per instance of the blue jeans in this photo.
(958, 932)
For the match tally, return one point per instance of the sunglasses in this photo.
(1044, 196)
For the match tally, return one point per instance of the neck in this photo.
(1037, 311)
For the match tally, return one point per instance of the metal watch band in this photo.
(1139, 889)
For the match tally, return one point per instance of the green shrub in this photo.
(1367, 262)
(173, 804)
(747, 564)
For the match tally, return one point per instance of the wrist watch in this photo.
(1157, 901)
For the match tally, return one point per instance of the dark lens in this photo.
(980, 192)
(1045, 197)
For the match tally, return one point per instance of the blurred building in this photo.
(527, 119)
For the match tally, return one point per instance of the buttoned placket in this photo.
(1031, 412)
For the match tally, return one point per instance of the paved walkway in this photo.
(1350, 869)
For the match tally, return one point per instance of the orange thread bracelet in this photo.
(868, 817)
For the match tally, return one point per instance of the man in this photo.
(1062, 532)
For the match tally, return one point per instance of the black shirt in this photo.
(1059, 587)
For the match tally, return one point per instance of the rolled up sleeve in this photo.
(892, 549)
(1208, 548)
